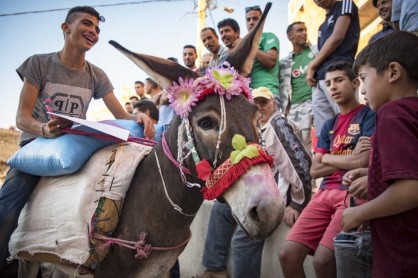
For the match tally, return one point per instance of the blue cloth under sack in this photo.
(68, 153)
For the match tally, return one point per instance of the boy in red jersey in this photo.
(335, 154)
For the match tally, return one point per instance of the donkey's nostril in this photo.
(254, 214)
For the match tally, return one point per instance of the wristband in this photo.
(42, 130)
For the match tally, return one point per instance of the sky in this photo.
(158, 28)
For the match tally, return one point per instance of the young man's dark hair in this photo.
(229, 22)
(145, 105)
(396, 47)
(211, 29)
(289, 28)
(173, 59)
(342, 66)
(151, 82)
(140, 82)
(83, 9)
(190, 46)
(134, 97)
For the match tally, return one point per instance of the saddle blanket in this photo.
(62, 211)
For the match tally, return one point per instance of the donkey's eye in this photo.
(205, 123)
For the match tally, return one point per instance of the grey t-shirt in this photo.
(70, 91)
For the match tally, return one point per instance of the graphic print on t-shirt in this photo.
(68, 100)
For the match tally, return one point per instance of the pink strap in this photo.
(143, 250)
(170, 156)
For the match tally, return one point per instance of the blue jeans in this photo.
(222, 229)
(353, 254)
(15, 192)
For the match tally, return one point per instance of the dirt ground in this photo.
(9, 144)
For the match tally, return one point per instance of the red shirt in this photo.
(394, 156)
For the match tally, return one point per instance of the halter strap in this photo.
(170, 156)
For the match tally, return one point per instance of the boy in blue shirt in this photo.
(338, 39)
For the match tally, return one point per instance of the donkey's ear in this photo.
(243, 55)
(162, 71)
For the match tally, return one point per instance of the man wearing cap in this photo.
(292, 162)
(385, 12)
(211, 42)
(266, 64)
(291, 171)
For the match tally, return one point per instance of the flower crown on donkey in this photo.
(223, 80)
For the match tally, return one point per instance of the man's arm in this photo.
(401, 196)
(25, 120)
(119, 113)
(293, 164)
(346, 162)
(336, 38)
(319, 169)
(269, 58)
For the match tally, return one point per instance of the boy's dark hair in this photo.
(190, 46)
(83, 9)
(145, 105)
(289, 28)
(140, 82)
(133, 97)
(398, 47)
(342, 66)
(211, 29)
(229, 22)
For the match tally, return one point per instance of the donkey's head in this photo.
(217, 128)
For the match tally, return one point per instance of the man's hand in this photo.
(310, 75)
(149, 131)
(364, 143)
(359, 188)
(54, 128)
(352, 175)
(290, 216)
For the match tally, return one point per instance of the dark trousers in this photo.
(15, 192)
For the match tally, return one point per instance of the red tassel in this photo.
(216, 187)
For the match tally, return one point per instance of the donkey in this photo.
(158, 200)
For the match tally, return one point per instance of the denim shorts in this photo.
(353, 254)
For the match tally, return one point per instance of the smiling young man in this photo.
(70, 83)
(335, 154)
(230, 32)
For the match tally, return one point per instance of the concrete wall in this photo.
(191, 258)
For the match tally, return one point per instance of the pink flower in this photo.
(223, 80)
(183, 96)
